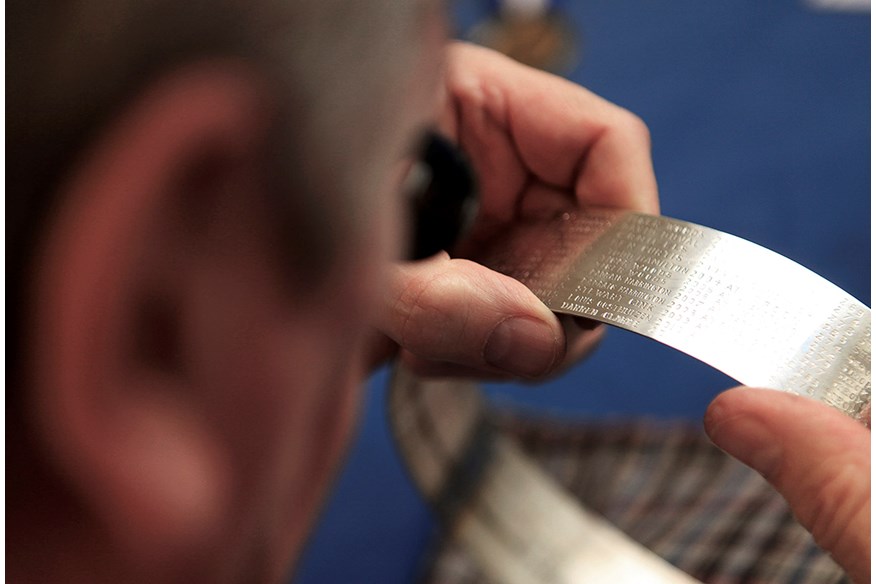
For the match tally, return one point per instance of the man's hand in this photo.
(537, 142)
(815, 456)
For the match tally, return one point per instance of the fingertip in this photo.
(755, 425)
(738, 429)
(746, 401)
(770, 404)
(524, 346)
(720, 408)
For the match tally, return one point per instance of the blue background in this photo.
(759, 114)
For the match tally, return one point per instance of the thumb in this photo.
(815, 456)
(459, 312)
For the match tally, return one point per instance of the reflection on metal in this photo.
(749, 312)
(755, 315)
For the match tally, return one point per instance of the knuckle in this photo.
(431, 324)
(634, 127)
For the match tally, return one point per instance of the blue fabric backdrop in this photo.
(759, 113)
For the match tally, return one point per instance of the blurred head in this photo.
(200, 198)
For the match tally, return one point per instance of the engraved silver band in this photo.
(753, 314)
(747, 311)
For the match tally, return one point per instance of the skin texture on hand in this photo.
(537, 142)
(815, 456)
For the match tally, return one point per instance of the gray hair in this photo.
(71, 65)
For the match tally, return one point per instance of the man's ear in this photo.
(113, 402)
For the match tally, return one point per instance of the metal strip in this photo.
(745, 310)
(753, 314)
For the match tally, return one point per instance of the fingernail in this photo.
(747, 439)
(522, 346)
